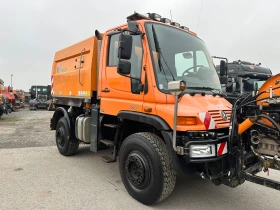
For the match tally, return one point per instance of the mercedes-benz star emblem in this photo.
(224, 115)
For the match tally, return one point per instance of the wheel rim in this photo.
(137, 170)
(60, 137)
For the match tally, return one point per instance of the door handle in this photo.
(105, 90)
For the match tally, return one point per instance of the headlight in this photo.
(200, 151)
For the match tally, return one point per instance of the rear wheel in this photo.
(66, 144)
(146, 168)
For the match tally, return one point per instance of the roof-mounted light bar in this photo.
(185, 28)
(138, 16)
(157, 17)
(165, 20)
(175, 24)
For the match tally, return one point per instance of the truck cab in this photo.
(243, 77)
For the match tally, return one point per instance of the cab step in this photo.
(108, 159)
(111, 125)
(107, 142)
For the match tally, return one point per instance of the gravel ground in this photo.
(25, 128)
(33, 175)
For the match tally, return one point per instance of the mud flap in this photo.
(94, 128)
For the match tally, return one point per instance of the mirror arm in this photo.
(131, 77)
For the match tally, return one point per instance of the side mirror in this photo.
(125, 47)
(256, 88)
(176, 87)
(223, 80)
(223, 68)
(124, 67)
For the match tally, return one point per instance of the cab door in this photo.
(121, 92)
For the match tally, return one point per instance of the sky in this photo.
(33, 30)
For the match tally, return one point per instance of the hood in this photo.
(210, 112)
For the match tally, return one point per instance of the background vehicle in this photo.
(2, 105)
(32, 104)
(5, 106)
(9, 95)
(40, 90)
(20, 97)
(42, 101)
(241, 78)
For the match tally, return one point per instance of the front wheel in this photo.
(146, 168)
(66, 144)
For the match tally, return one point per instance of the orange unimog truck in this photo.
(148, 90)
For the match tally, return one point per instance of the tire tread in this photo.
(169, 174)
(73, 144)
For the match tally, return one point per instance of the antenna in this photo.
(263, 59)
(199, 15)
(171, 16)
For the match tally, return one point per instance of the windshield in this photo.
(248, 85)
(184, 57)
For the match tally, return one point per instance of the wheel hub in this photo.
(60, 137)
(136, 170)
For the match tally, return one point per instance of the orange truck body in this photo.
(66, 70)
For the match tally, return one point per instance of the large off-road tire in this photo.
(66, 144)
(146, 168)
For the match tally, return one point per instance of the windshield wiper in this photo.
(158, 50)
(220, 93)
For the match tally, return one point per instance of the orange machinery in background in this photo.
(19, 97)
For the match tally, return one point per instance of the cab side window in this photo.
(113, 50)
(135, 60)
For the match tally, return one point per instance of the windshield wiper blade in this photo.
(210, 89)
(158, 50)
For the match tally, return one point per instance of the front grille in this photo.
(217, 117)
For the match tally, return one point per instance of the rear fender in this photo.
(59, 112)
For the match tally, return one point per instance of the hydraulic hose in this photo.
(271, 120)
(255, 101)
(246, 124)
